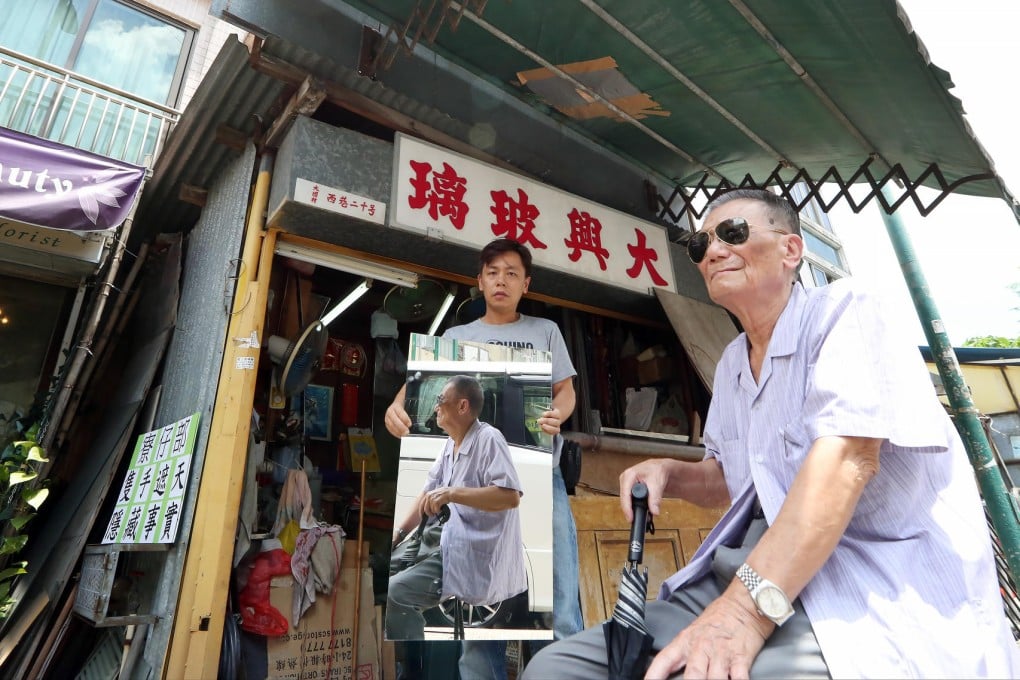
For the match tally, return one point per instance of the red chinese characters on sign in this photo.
(515, 219)
(585, 235)
(644, 257)
(344, 202)
(443, 195)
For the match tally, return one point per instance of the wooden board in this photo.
(602, 543)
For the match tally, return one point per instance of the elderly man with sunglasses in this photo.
(855, 544)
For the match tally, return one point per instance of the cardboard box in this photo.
(320, 646)
(655, 370)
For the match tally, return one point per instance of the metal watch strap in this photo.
(749, 577)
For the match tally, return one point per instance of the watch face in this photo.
(772, 602)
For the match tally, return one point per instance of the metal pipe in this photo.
(51, 118)
(114, 325)
(52, 426)
(1001, 506)
(634, 447)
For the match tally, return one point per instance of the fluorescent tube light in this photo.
(345, 263)
(445, 307)
(342, 306)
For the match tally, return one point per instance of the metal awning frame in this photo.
(694, 200)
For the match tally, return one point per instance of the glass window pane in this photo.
(44, 29)
(820, 248)
(820, 276)
(421, 404)
(131, 50)
(420, 401)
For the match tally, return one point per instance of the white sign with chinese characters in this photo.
(149, 504)
(339, 201)
(470, 203)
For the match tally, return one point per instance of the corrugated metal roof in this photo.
(232, 94)
(326, 69)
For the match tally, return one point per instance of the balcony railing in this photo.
(44, 100)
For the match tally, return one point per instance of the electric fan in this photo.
(411, 305)
(298, 360)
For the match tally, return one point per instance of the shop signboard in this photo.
(86, 246)
(151, 498)
(452, 197)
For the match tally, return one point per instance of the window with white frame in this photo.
(115, 42)
(824, 261)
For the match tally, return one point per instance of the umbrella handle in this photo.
(639, 504)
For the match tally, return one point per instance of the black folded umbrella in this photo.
(407, 553)
(628, 642)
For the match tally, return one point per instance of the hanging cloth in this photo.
(295, 502)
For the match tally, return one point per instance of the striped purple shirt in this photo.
(911, 588)
(483, 552)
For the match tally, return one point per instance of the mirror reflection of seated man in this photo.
(480, 556)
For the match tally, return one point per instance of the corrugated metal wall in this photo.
(193, 361)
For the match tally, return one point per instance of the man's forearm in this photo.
(411, 520)
(564, 398)
(487, 498)
(400, 396)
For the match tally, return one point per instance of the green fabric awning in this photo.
(711, 93)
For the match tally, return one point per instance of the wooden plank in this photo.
(304, 102)
(592, 607)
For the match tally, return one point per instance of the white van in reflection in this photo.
(515, 396)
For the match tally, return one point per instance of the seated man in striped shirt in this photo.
(480, 558)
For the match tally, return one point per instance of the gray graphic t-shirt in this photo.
(527, 332)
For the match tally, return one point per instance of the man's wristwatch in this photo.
(769, 598)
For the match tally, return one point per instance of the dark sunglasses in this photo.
(733, 231)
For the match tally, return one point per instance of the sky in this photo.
(968, 248)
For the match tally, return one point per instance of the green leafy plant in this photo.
(21, 494)
(992, 341)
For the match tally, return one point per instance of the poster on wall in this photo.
(151, 497)
(318, 412)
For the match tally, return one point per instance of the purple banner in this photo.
(51, 185)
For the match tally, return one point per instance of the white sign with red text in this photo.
(468, 202)
(339, 201)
